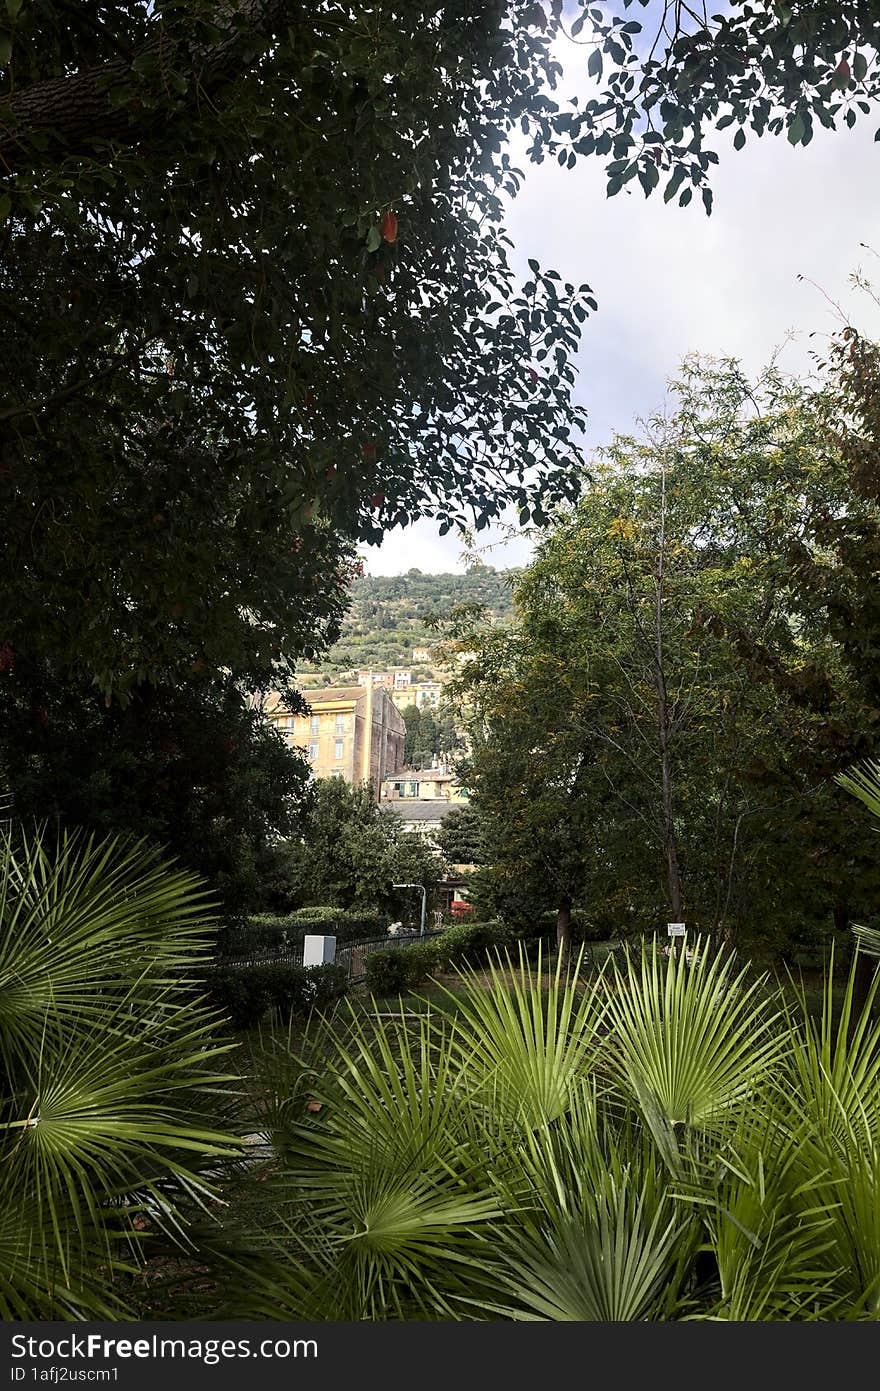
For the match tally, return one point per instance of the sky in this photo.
(669, 281)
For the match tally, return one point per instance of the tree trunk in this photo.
(670, 839)
(73, 114)
(664, 730)
(563, 931)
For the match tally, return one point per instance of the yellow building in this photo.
(429, 785)
(424, 695)
(351, 732)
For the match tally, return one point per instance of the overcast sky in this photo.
(670, 281)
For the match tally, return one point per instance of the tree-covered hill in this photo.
(391, 615)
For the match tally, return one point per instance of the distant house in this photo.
(429, 785)
(421, 654)
(397, 678)
(351, 732)
(422, 694)
(423, 817)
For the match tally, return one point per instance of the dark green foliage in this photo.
(401, 968)
(218, 371)
(268, 933)
(471, 942)
(460, 837)
(427, 736)
(348, 853)
(678, 682)
(667, 85)
(387, 971)
(245, 993)
(193, 768)
(217, 362)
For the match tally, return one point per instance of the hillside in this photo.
(389, 616)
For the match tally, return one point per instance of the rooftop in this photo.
(414, 809)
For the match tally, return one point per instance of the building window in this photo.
(314, 724)
(340, 724)
(313, 753)
(337, 749)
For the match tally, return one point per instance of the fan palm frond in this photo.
(692, 1041)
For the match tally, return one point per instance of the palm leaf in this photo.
(691, 1041)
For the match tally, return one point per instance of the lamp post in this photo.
(424, 892)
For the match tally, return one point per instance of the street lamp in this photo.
(424, 892)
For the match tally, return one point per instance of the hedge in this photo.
(400, 968)
(244, 993)
(265, 934)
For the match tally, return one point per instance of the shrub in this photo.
(471, 942)
(386, 971)
(401, 968)
(241, 992)
(346, 924)
(267, 934)
(264, 935)
(244, 993)
(421, 959)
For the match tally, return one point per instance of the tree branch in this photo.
(72, 115)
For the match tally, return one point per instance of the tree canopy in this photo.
(347, 852)
(257, 306)
(668, 81)
(256, 299)
(658, 733)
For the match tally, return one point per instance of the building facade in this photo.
(351, 732)
(429, 785)
(424, 695)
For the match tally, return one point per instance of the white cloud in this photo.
(670, 281)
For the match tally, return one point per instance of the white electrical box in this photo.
(319, 951)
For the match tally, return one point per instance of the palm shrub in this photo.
(673, 1139)
(112, 1075)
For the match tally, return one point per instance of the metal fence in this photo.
(352, 956)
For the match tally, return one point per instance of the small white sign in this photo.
(675, 929)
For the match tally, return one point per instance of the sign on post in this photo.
(675, 929)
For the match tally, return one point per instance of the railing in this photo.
(288, 956)
(352, 956)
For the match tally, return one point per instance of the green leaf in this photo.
(649, 177)
(674, 183)
(796, 129)
(594, 63)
